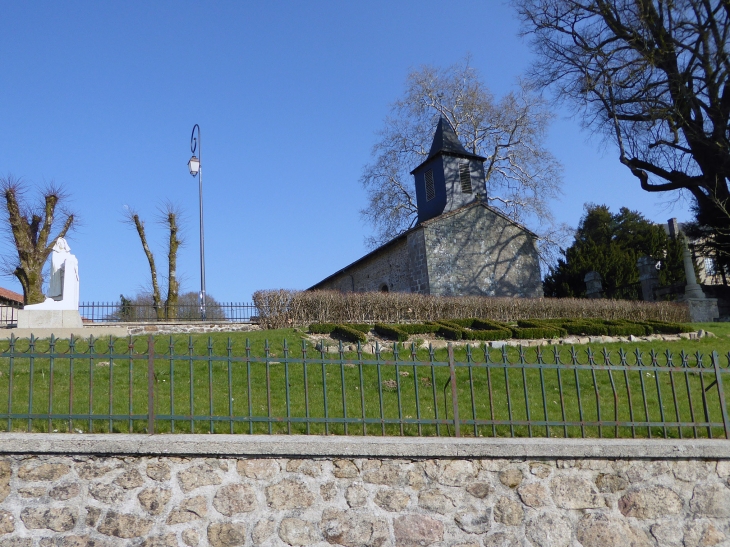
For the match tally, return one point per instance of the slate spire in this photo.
(451, 176)
(446, 141)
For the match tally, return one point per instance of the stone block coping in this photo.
(313, 446)
(65, 333)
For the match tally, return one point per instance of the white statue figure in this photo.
(63, 290)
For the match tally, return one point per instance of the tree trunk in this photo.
(173, 286)
(156, 300)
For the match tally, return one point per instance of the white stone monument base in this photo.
(54, 319)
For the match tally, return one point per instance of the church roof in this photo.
(445, 141)
(420, 226)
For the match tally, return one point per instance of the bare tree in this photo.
(654, 77)
(30, 226)
(522, 175)
(168, 216)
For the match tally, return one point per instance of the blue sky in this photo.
(101, 97)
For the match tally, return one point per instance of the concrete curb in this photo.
(358, 447)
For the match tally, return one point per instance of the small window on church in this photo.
(465, 177)
(430, 187)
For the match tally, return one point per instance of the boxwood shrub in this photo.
(391, 332)
(557, 330)
(449, 323)
(484, 324)
(661, 327)
(450, 332)
(362, 327)
(585, 328)
(463, 323)
(529, 333)
(487, 335)
(627, 330)
(346, 332)
(322, 328)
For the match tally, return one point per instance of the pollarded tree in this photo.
(168, 216)
(522, 175)
(30, 227)
(654, 77)
(611, 244)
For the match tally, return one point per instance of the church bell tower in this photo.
(451, 176)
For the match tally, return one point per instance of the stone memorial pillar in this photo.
(701, 308)
(648, 276)
(594, 285)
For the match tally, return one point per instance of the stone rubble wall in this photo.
(188, 328)
(154, 501)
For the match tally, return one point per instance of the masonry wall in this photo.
(417, 262)
(476, 251)
(388, 266)
(536, 497)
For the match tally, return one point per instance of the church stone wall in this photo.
(389, 266)
(418, 262)
(475, 251)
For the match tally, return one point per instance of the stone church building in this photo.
(460, 246)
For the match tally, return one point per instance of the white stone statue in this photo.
(63, 290)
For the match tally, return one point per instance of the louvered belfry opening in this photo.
(465, 177)
(450, 177)
(430, 187)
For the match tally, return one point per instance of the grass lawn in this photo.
(202, 389)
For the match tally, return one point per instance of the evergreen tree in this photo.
(611, 244)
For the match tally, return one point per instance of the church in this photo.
(460, 246)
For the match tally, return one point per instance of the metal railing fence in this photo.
(177, 385)
(8, 315)
(126, 312)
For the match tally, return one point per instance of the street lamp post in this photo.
(195, 169)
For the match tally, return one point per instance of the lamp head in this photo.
(194, 166)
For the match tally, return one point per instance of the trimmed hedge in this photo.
(463, 323)
(660, 327)
(487, 335)
(417, 328)
(484, 330)
(346, 332)
(555, 328)
(629, 329)
(284, 308)
(391, 332)
(585, 328)
(531, 333)
(483, 324)
(322, 328)
(450, 332)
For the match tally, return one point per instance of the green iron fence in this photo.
(174, 386)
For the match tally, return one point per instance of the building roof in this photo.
(446, 142)
(419, 226)
(10, 295)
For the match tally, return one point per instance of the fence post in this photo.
(151, 385)
(454, 393)
(721, 392)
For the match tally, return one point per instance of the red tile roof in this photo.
(11, 295)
